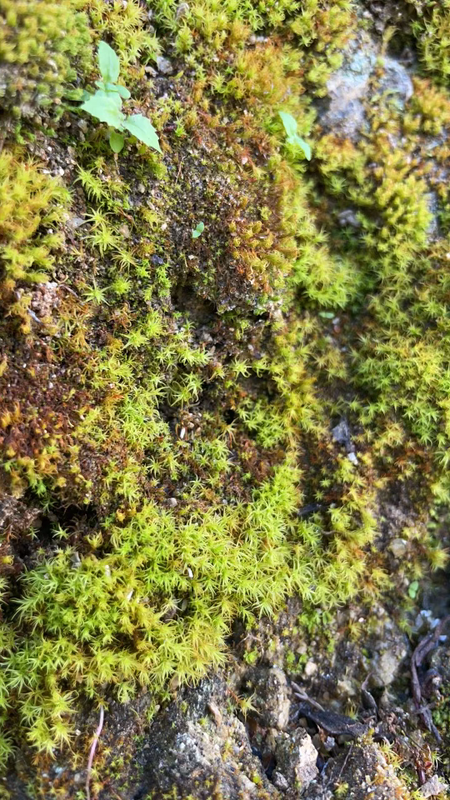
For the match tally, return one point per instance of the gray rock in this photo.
(296, 756)
(271, 698)
(366, 773)
(390, 647)
(164, 65)
(395, 80)
(341, 433)
(348, 217)
(347, 88)
(352, 84)
(433, 788)
(280, 781)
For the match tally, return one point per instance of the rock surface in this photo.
(362, 772)
(364, 72)
(271, 696)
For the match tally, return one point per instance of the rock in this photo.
(364, 772)
(280, 781)
(341, 433)
(395, 80)
(295, 755)
(398, 547)
(197, 748)
(310, 668)
(355, 81)
(348, 217)
(75, 222)
(271, 695)
(433, 788)
(347, 88)
(390, 647)
(164, 65)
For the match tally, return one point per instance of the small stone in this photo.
(271, 695)
(75, 222)
(172, 502)
(248, 785)
(352, 457)
(279, 781)
(348, 217)
(310, 669)
(433, 788)
(341, 433)
(164, 65)
(296, 756)
(398, 547)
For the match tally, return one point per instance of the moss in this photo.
(41, 46)
(173, 418)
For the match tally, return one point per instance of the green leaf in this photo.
(124, 93)
(413, 589)
(116, 141)
(105, 107)
(142, 129)
(108, 62)
(113, 87)
(290, 126)
(198, 230)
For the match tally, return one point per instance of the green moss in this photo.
(30, 201)
(41, 46)
(185, 390)
(431, 30)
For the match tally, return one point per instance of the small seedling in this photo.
(413, 589)
(106, 104)
(290, 126)
(198, 230)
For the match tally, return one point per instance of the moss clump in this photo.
(431, 29)
(32, 204)
(41, 44)
(168, 403)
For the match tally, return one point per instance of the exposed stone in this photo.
(434, 787)
(295, 755)
(348, 217)
(390, 647)
(347, 88)
(341, 433)
(398, 547)
(364, 72)
(271, 695)
(164, 65)
(395, 80)
(365, 773)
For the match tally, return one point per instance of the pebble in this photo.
(433, 787)
(164, 65)
(398, 547)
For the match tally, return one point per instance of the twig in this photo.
(301, 694)
(92, 752)
(420, 653)
(349, 752)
